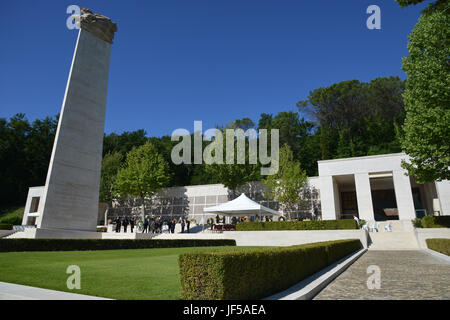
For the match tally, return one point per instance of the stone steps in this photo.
(399, 240)
(396, 225)
(28, 233)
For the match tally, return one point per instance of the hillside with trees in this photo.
(345, 119)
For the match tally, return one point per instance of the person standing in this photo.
(132, 222)
(188, 223)
(174, 223)
(118, 224)
(217, 219)
(145, 225)
(125, 224)
(183, 223)
(152, 225)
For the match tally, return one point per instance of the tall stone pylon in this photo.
(70, 198)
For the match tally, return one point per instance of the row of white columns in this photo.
(403, 195)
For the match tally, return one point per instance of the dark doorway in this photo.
(349, 205)
(384, 205)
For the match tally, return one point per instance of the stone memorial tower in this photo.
(69, 204)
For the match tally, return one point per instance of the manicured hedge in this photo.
(439, 245)
(256, 273)
(436, 222)
(298, 225)
(9, 245)
(6, 226)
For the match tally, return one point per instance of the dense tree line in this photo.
(25, 150)
(346, 119)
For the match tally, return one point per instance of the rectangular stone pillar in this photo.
(403, 195)
(327, 198)
(443, 191)
(364, 196)
(70, 197)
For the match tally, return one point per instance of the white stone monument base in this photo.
(65, 234)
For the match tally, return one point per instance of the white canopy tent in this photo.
(241, 206)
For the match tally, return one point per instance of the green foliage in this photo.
(111, 164)
(436, 222)
(124, 142)
(25, 150)
(433, 6)
(439, 245)
(346, 119)
(427, 95)
(232, 175)
(144, 173)
(11, 215)
(285, 185)
(361, 223)
(258, 273)
(6, 226)
(12, 245)
(417, 223)
(356, 118)
(298, 225)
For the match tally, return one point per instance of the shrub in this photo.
(9, 245)
(298, 225)
(102, 229)
(6, 226)
(436, 222)
(12, 220)
(439, 245)
(255, 273)
(361, 223)
(417, 223)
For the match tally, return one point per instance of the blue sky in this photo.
(173, 62)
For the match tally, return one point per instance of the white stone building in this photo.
(371, 188)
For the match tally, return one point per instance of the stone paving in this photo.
(11, 291)
(405, 275)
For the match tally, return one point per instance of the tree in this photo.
(433, 6)
(111, 164)
(285, 185)
(354, 118)
(124, 142)
(25, 151)
(144, 173)
(233, 175)
(427, 95)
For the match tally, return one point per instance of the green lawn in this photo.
(117, 274)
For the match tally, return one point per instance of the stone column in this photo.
(403, 195)
(364, 196)
(70, 198)
(443, 191)
(327, 198)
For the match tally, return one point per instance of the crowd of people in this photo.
(125, 221)
(150, 224)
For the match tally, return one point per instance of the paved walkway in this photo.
(406, 275)
(10, 291)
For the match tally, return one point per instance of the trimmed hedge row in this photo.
(439, 245)
(6, 226)
(256, 273)
(10, 245)
(298, 225)
(436, 222)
